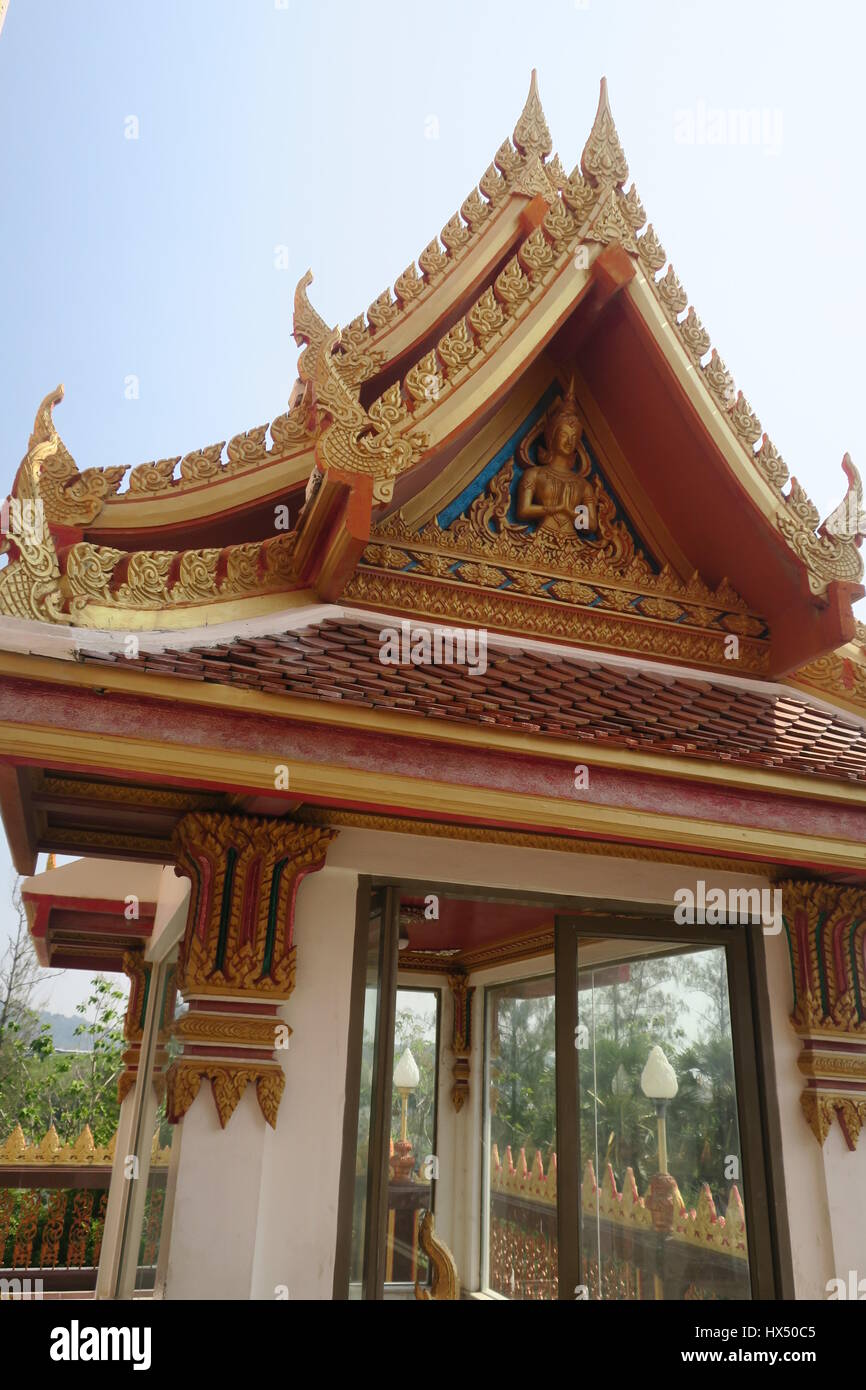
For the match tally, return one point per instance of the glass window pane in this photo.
(153, 1232)
(413, 1137)
(662, 1181)
(519, 1231)
(368, 1056)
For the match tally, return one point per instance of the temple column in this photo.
(236, 969)
(300, 1182)
(826, 929)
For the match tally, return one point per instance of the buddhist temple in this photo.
(468, 770)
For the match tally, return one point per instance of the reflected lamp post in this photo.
(406, 1079)
(659, 1084)
(404, 1196)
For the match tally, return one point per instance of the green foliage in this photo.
(419, 1035)
(679, 1002)
(40, 1086)
(658, 1002)
(523, 1071)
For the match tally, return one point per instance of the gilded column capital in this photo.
(237, 959)
(826, 927)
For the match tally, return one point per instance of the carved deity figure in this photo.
(557, 491)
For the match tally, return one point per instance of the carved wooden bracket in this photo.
(237, 960)
(826, 926)
(461, 1044)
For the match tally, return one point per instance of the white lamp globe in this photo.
(406, 1073)
(658, 1079)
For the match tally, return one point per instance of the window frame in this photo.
(740, 959)
(771, 1267)
(489, 987)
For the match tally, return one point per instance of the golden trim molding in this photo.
(493, 835)
(425, 796)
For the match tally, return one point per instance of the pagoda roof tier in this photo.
(530, 689)
(101, 753)
(208, 496)
(403, 463)
(454, 266)
(80, 915)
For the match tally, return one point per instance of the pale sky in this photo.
(349, 133)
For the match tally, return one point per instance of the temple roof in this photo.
(542, 279)
(79, 915)
(534, 691)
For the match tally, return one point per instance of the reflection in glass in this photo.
(520, 1132)
(412, 1160)
(368, 1055)
(152, 1231)
(661, 1202)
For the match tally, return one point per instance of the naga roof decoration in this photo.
(520, 166)
(382, 404)
(74, 498)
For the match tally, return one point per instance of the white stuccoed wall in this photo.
(805, 1188)
(845, 1174)
(296, 1232)
(826, 1213)
(216, 1205)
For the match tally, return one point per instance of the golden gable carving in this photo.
(534, 568)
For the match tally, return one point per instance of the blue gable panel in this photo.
(479, 483)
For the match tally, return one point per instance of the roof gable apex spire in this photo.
(603, 161)
(532, 134)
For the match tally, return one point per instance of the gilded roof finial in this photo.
(43, 426)
(531, 134)
(308, 327)
(849, 518)
(603, 160)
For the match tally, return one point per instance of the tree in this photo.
(20, 974)
(92, 1094)
(656, 1000)
(523, 1072)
